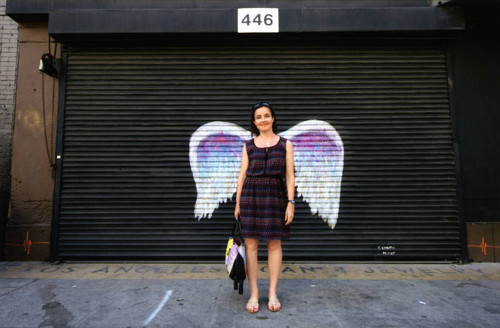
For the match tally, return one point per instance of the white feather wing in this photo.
(215, 158)
(319, 164)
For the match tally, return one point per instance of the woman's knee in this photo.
(251, 245)
(273, 245)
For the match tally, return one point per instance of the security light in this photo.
(49, 65)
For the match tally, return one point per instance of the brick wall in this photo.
(8, 69)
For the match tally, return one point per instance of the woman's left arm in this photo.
(290, 183)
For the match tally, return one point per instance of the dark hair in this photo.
(253, 128)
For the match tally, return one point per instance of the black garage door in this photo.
(127, 186)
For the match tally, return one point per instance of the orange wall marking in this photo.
(483, 246)
(27, 243)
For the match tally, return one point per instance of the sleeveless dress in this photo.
(263, 197)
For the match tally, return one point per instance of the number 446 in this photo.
(268, 20)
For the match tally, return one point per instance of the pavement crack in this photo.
(211, 319)
(15, 289)
(463, 284)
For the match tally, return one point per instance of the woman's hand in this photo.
(237, 211)
(290, 210)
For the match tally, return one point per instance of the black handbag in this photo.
(235, 257)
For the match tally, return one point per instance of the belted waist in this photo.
(266, 176)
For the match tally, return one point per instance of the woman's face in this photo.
(263, 119)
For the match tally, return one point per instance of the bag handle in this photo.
(236, 234)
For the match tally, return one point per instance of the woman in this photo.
(265, 208)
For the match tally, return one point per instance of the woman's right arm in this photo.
(241, 179)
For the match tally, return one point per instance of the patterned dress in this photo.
(263, 197)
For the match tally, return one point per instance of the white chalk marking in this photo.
(158, 309)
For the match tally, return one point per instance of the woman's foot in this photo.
(253, 304)
(274, 304)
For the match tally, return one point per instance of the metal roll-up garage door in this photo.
(127, 189)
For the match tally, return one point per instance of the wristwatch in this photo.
(292, 201)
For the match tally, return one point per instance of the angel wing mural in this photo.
(215, 157)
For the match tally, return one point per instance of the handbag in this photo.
(235, 257)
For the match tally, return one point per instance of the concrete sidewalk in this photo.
(37, 294)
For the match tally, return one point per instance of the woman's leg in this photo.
(251, 250)
(274, 263)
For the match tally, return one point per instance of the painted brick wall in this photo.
(8, 69)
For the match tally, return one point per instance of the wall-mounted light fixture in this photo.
(50, 65)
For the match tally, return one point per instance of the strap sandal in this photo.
(253, 305)
(274, 304)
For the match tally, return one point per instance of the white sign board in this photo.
(258, 20)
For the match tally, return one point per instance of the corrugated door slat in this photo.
(127, 190)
